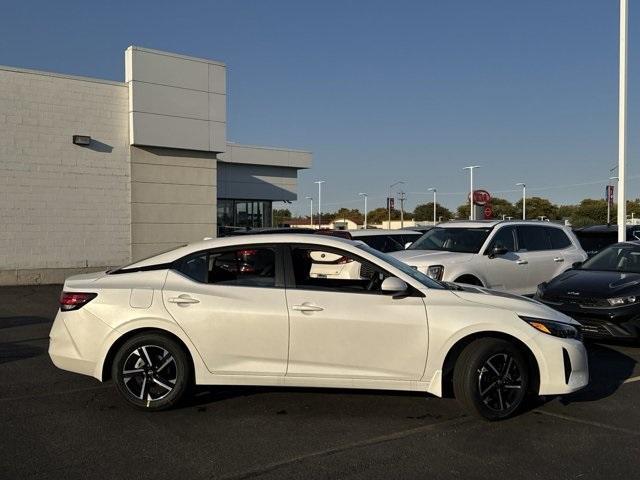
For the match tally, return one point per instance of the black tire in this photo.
(158, 385)
(491, 378)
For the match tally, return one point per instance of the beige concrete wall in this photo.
(173, 198)
(63, 207)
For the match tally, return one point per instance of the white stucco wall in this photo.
(62, 206)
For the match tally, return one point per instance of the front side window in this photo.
(321, 268)
(249, 267)
(616, 258)
(452, 239)
(383, 243)
(532, 238)
(504, 238)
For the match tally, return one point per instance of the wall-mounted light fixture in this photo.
(82, 140)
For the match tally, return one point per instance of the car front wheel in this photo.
(491, 378)
(151, 371)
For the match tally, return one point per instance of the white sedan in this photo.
(248, 311)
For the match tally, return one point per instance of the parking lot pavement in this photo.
(55, 424)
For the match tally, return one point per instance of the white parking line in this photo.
(632, 379)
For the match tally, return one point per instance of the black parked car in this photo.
(596, 237)
(603, 293)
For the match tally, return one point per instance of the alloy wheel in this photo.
(150, 373)
(500, 382)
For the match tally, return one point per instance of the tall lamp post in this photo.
(364, 195)
(319, 182)
(622, 123)
(389, 201)
(310, 209)
(435, 202)
(471, 168)
(524, 199)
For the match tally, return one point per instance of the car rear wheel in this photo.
(491, 378)
(151, 371)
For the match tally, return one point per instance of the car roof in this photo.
(605, 228)
(375, 231)
(493, 223)
(271, 238)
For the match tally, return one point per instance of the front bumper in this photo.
(76, 341)
(602, 323)
(563, 364)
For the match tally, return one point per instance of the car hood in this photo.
(431, 257)
(593, 283)
(522, 306)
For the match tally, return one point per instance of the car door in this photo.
(231, 303)
(510, 271)
(347, 328)
(535, 245)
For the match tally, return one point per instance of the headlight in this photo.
(557, 329)
(616, 302)
(435, 271)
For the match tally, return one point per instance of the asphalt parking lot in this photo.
(55, 424)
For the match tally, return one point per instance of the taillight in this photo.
(75, 300)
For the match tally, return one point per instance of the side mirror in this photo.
(407, 245)
(497, 250)
(576, 264)
(396, 286)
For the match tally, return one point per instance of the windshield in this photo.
(403, 267)
(616, 258)
(452, 239)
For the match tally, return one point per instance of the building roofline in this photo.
(262, 147)
(61, 75)
(176, 55)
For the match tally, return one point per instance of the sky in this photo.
(383, 91)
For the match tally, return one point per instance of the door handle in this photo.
(522, 262)
(183, 300)
(307, 307)
(558, 259)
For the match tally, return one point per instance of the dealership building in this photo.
(96, 173)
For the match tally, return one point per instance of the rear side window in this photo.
(558, 238)
(533, 238)
(249, 267)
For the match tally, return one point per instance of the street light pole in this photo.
(402, 198)
(310, 209)
(524, 199)
(472, 213)
(435, 202)
(364, 195)
(389, 201)
(622, 123)
(319, 182)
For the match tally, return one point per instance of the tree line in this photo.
(588, 212)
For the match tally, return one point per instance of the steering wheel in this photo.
(374, 282)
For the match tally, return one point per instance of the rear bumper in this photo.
(76, 340)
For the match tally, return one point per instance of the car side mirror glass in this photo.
(393, 285)
(407, 245)
(576, 265)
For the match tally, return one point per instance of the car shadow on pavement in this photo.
(608, 369)
(14, 351)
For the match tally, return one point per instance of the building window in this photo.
(242, 215)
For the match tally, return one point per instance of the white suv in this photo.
(503, 255)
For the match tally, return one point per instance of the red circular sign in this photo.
(488, 212)
(481, 197)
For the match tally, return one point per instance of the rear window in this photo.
(383, 243)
